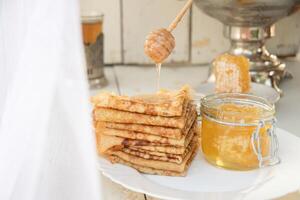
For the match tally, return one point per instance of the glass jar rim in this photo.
(209, 105)
(91, 17)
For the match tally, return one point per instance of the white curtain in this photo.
(47, 149)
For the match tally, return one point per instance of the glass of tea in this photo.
(92, 31)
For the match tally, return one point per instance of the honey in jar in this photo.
(238, 131)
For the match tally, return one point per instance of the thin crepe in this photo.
(161, 156)
(164, 103)
(153, 170)
(156, 164)
(161, 149)
(184, 141)
(175, 133)
(107, 142)
(110, 115)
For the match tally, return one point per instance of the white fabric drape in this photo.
(47, 149)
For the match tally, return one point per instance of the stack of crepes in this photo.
(155, 134)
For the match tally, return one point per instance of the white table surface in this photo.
(131, 80)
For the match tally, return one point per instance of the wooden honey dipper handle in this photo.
(178, 18)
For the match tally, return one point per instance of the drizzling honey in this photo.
(158, 69)
(160, 43)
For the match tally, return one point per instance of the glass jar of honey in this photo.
(238, 131)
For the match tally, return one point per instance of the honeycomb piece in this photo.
(159, 44)
(232, 74)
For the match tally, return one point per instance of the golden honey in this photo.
(229, 124)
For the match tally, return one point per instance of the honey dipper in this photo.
(160, 43)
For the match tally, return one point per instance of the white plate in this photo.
(257, 89)
(205, 181)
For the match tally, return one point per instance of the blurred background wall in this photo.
(199, 38)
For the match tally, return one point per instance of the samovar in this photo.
(248, 24)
